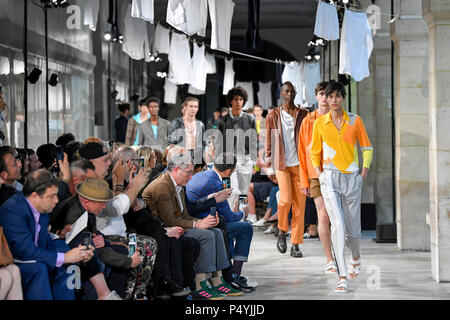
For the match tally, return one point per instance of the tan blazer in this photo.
(161, 198)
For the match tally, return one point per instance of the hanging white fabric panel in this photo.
(356, 45)
(248, 86)
(293, 72)
(188, 16)
(170, 92)
(199, 69)
(179, 59)
(210, 63)
(265, 94)
(161, 43)
(312, 78)
(5, 67)
(136, 42)
(143, 9)
(221, 14)
(91, 13)
(228, 77)
(327, 23)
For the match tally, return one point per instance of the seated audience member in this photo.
(42, 261)
(23, 158)
(11, 172)
(165, 198)
(71, 150)
(92, 196)
(47, 155)
(6, 191)
(97, 154)
(64, 139)
(34, 160)
(150, 157)
(155, 132)
(239, 233)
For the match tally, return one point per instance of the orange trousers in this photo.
(291, 195)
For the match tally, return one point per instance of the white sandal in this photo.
(329, 268)
(354, 267)
(343, 283)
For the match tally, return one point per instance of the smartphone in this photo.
(132, 242)
(242, 201)
(212, 211)
(59, 153)
(226, 183)
(141, 163)
(111, 145)
(86, 238)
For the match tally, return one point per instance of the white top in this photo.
(91, 14)
(116, 225)
(161, 44)
(288, 127)
(327, 23)
(136, 41)
(312, 78)
(199, 66)
(170, 92)
(210, 63)
(228, 78)
(221, 14)
(188, 16)
(265, 94)
(248, 86)
(293, 72)
(143, 9)
(179, 59)
(356, 45)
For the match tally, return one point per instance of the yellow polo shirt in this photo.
(338, 148)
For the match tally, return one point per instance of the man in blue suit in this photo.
(42, 261)
(239, 233)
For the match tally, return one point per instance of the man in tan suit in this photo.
(165, 197)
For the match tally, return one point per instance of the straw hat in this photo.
(95, 189)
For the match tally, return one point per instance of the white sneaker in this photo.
(113, 296)
(270, 230)
(259, 223)
(251, 218)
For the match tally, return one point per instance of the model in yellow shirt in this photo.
(335, 159)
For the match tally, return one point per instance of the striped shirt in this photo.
(338, 147)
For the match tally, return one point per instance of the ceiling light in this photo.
(53, 81)
(107, 36)
(317, 56)
(114, 94)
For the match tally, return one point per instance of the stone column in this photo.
(410, 35)
(437, 15)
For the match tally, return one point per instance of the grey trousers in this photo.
(213, 253)
(342, 196)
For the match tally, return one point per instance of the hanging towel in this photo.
(161, 44)
(312, 78)
(143, 9)
(136, 42)
(293, 72)
(199, 71)
(221, 14)
(356, 45)
(91, 14)
(248, 86)
(228, 77)
(170, 92)
(265, 94)
(327, 23)
(179, 59)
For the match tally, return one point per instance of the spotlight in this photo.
(158, 59)
(114, 94)
(33, 77)
(53, 81)
(317, 56)
(345, 1)
(308, 57)
(120, 38)
(107, 36)
(134, 97)
(152, 58)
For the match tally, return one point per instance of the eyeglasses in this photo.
(189, 173)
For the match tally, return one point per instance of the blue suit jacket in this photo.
(204, 183)
(20, 229)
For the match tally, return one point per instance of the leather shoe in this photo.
(168, 287)
(295, 251)
(281, 243)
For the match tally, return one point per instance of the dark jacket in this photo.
(177, 136)
(69, 212)
(247, 124)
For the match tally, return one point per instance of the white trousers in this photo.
(342, 196)
(240, 181)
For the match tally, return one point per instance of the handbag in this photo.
(5, 254)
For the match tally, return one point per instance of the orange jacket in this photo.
(304, 149)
